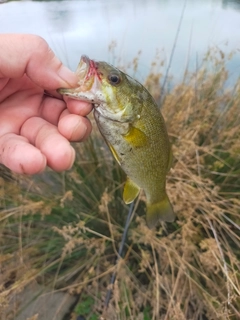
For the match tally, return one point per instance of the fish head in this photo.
(115, 95)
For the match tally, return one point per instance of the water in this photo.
(89, 27)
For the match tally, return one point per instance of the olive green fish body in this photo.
(134, 129)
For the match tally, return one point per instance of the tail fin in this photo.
(159, 211)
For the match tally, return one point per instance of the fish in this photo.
(134, 129)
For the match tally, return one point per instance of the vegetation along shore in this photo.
(63, 230)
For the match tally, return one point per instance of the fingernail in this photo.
(67, 76)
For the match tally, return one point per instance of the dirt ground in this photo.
(36, 303)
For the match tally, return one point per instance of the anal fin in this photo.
(130, 191)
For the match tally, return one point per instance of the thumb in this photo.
(30, 54)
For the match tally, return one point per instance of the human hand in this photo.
(35, 127)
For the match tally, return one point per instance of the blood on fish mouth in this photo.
(92, 67)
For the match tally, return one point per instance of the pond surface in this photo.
(116, 31)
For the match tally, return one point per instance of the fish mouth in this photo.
(89, 79)
(87, 71)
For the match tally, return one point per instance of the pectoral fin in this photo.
(160, 211)
(130, 192)
(135, 137)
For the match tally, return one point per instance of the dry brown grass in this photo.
(68, 240)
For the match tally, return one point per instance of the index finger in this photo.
(30, 54)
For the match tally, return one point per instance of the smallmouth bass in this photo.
(132, 125)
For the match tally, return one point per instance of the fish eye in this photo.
(114, 79)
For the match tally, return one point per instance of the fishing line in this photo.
(120, 252)
(172, 53)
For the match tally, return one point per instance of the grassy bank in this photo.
(63, 230)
